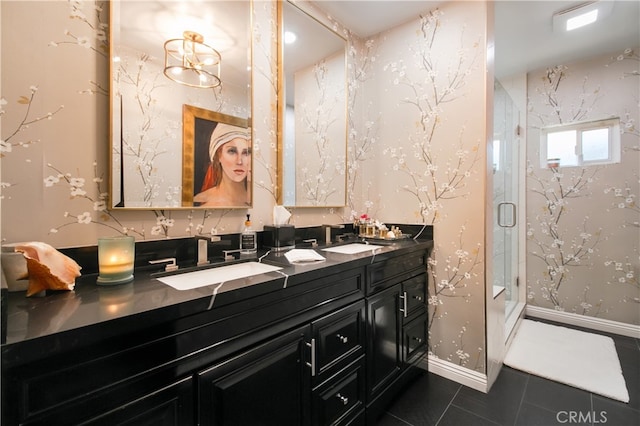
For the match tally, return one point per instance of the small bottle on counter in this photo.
(248, 238)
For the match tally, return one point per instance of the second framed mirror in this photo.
(312, 111)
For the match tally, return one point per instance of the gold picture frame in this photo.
(216, 159)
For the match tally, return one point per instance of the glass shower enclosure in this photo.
(506, 171)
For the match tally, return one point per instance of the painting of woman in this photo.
(227, 182)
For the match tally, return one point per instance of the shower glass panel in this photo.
(505, 196)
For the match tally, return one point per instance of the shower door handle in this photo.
(510, 224)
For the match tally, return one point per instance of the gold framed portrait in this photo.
(216, 159)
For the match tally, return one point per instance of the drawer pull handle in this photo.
(403, 309)
(343, 339)
(344, 399)
(418, 339)
(312, 364)
(418, 298)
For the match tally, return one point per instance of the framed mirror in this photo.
(180, 75)
(312, 111)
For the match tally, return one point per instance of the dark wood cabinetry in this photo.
(168, 406)
(341, 400)
(272, 383)
(384, 343)
(330, 350)
(338, 371)
(396, 326)
(266, 385)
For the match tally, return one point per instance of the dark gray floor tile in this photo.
(556, 396)
(501, 404)
(456, 416)
(614, 412)
(388, 420)
(532, 415)
(630, 363)
(534, 400)
(424, 402)
(625, 342)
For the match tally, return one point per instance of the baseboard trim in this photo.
(593, 323)
(457, 373)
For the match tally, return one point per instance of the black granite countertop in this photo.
(103, 311)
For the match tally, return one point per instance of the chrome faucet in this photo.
(170, 266)
(312, 241)
(342, 237)
(327, 232)
(228, 254)
(203, 248)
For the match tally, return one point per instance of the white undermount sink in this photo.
(353, 248)
(212, 276)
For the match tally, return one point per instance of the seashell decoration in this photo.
(47, 268)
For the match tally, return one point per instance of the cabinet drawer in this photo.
(415, 339)
(149, 400)
(339, 336)
(415, 290)
(172, 405)
(380, 274)
(341, 399)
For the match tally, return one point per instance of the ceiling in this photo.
(524, 37)
(144, 26)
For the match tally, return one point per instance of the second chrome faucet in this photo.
(203, 248)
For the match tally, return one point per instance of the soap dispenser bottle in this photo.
(248, 238)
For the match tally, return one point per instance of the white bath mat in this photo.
(584, 360)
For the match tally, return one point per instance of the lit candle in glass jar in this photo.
(116, 257)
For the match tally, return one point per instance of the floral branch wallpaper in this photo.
(422, 156)
(319, 133)
(583, 224)
(147, 139)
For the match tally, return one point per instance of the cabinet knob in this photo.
(418, 339)
(343, 339)
(418, 298)
(344, 399)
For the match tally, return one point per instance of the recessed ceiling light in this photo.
(582, 20)
(579, 16)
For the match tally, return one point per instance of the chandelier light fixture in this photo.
(190, 62)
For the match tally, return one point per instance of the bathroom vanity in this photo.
(310, 344)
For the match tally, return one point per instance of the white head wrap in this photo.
(224, 133)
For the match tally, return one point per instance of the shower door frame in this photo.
(510, 214)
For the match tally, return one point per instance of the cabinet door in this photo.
(383, 339)
(267, 385)
(170, 406)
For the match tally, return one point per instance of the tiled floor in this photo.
(518, 398)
